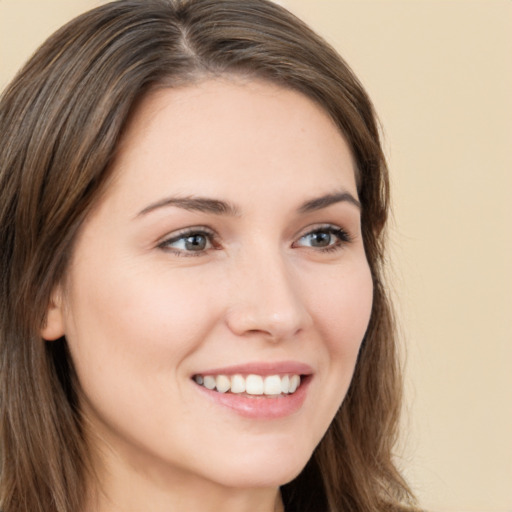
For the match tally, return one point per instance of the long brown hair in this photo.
(60, 123)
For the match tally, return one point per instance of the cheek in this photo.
(131, 325)
(342, 319)
(344, 312)
(130, 335)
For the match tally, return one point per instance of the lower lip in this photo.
(261, 406)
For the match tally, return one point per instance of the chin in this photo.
(271, 477)
(265, 468)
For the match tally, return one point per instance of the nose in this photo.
(266, 300)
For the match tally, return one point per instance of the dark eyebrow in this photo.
(327, 200)
(219, 207)
(194, 204)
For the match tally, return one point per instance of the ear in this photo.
(53, 324)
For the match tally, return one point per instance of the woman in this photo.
(193, 199)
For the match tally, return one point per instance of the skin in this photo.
(273, 283)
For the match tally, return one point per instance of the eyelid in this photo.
(344, 236)
(165, 242)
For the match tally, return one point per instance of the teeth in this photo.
(285, 384)
(271, 385)
(209, 382)
(294, 383)
(222, 383)
(237, 384)
(254, 385)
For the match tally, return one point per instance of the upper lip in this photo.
(262, 368)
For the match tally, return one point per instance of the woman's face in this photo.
(227, 251)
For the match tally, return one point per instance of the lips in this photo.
(257, 390)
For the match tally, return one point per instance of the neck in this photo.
(184, 500)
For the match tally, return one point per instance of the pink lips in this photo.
(262, 368)
(261, 406)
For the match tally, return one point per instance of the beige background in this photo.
(440, 74)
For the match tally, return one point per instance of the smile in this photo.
(253, 385)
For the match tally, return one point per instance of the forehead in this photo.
(224, 132)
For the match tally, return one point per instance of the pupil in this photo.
(195, 242)
(321, 239)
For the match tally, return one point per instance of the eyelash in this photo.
(341, 235)
(212, 240)
(210, 236)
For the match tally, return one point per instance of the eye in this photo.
(325, 238)
(192, 242)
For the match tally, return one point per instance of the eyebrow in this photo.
(220, 207)
(327, 200)
(195, 204)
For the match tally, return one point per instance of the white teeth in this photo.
(209, 382)
(222, 383)
(294, 383)
(237, 384)
(271, 385)
(254, 385)
(285, 384)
